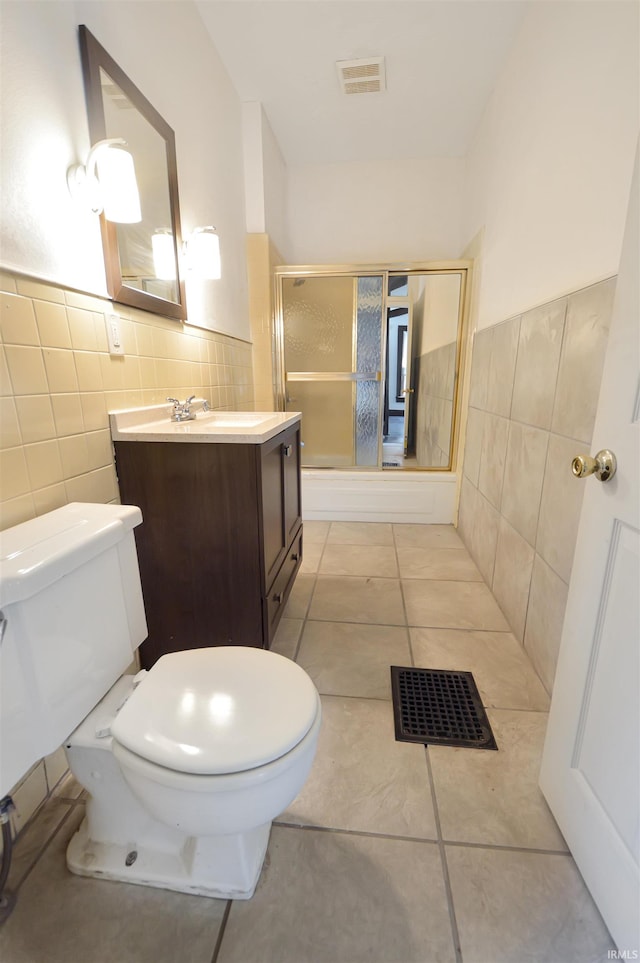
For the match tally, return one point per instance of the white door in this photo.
(590, 771)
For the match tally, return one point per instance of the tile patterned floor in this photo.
(392, 853)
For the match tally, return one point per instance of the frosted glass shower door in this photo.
(332, 335)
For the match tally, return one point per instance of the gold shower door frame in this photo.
(355, 271)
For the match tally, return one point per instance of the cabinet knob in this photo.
(294, 557)
(278, 597)
(286, 450)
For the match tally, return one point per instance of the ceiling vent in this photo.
(362, 76)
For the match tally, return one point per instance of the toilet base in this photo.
(222, 867)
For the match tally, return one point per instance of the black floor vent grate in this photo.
(439, 707)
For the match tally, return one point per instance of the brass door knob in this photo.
(603, 466)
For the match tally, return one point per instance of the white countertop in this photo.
(153, 423)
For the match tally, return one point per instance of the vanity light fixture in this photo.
(164, 258)
(201, 252)
(108, 182)
(202, 249)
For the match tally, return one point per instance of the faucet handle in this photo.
(189, 400)
(174, 400)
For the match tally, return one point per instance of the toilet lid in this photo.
(217, 710)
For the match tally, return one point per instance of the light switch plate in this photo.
(114, 336)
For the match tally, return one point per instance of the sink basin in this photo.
(153, 423)
(235, 419)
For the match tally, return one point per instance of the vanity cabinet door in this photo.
(291, 483)
(198, 545)
(280, 481)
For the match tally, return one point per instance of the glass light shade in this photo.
(204, 253)
(164, 258)
(118, 185)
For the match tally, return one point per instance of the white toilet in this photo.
(186, 764)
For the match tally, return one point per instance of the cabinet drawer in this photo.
(279, 592)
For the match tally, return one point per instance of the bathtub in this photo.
(378, 496)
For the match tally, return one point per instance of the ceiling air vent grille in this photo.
(362, 76)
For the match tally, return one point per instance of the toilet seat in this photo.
(224, 709)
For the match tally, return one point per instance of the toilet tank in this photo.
(71, 618)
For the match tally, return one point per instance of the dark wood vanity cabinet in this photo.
(221, 538)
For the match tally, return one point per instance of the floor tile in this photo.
(300, 596)
(426, 536)
(352, 599)
(32, 842)
(374, 560)
(311, 555)
(345, 658)
(287, 637)
(500, 666)
(454, 605)
(336, 898)
(524, 906)
(452, 564)
(493, 797)
(360, 533)
(362, 779)
(62, 918)
(315, 532)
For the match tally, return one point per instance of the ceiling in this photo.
(442, 59)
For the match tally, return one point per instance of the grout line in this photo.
(355, 832)
(404, 602)
(313, 591)
(443, 858)
(389, 701)
(390, 625)
(221, 931)
(296, 651)
(542, 712)
(411, 578)
(15, 889)
(360, 698)
(440, 842)
(506, 849)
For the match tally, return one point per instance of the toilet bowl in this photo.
(185, 765)
(202, 752)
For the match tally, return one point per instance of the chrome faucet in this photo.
(182, 409)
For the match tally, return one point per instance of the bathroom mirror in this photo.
(116, 108)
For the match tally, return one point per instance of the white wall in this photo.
(275, 190)
(44, 131)
(389, 211)
(549, 173)
(441, 311)
(265, 175)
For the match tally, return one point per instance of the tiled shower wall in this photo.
(434, 418)
(57, 383)
(534, 389)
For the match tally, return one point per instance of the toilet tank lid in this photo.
(42, 550)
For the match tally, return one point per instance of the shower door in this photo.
(332, 335)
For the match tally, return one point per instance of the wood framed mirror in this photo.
(116, 108)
